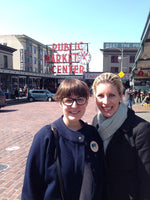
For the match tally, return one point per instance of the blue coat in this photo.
(127, 160)
(41, 181)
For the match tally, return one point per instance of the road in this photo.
(18, 125)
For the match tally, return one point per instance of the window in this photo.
(132, 58)
(38, 92)
(34, 60)
(114, 69)
(30, 59)
(114, 59)
(30, 69)
(130, 69)
(30, 48)
(5, 62)
(34, 50)
(41, 52)
(21, 55)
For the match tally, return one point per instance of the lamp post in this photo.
(121, 58)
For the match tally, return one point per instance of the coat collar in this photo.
(65, 132)
(128, 123)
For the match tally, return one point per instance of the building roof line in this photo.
(147, 24)
(6, 48)
(31, 39)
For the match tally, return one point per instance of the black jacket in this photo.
(127, 160)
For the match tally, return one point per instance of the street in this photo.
(18, 125)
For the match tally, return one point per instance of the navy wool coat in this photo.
(41, 177)
(127, 160)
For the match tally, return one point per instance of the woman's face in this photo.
(73, 113)
(107, 99)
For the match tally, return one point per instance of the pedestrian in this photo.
(26, 90)
(80, 152)
(17, 94)
(138, 96)
(135, 93)
(126, 142)
(129, 97)
(143, 94)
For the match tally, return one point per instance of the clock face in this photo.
(84, 57)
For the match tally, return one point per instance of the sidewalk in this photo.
(138, 106)
(19, 123)
(142, 111)
(18, 100)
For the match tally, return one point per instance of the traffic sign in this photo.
(121, 74)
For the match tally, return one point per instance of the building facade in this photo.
(6, 62)
(140, 76)
(28, 68)
(6, 57)
(30, 53)
(119, 57)
(36, 65)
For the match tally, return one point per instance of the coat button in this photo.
(80, 138)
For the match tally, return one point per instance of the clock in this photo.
(84, 57)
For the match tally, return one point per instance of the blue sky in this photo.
(89, 21)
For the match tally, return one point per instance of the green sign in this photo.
(121, 45)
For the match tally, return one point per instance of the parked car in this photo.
(2, 99)
(40, 95)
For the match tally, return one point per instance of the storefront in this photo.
(140, 77)
(11, 80)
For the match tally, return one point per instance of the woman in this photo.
(126, 141)
(81, 152)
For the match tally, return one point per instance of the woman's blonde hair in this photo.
(108, 78)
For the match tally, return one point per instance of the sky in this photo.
(70, 21)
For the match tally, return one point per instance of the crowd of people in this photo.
(108, 160)
(136, 96)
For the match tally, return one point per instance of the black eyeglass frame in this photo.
(76, 100)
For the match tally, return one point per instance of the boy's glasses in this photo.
(69, 101)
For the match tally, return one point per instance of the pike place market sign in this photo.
(68, 58)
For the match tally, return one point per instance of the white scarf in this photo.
(108, 126)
